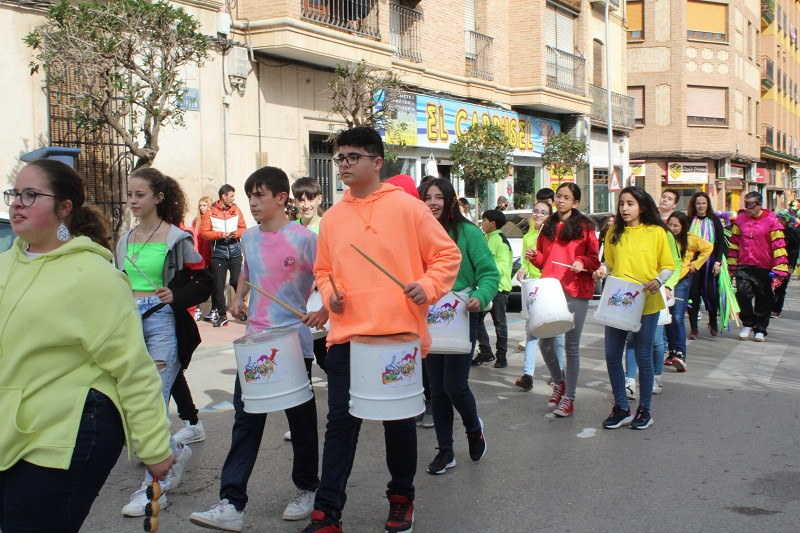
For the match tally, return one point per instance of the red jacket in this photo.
(585, 249)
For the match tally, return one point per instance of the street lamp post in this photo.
(608, 112)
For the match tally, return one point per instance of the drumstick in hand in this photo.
(568, 266)
(142, 273)
(277, 301)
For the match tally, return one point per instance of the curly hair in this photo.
(172, 208)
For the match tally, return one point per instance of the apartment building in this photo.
(693, 73)
(535, 67)
(778, 174)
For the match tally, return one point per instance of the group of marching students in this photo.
(81, 380)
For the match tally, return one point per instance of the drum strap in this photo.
(153, 309)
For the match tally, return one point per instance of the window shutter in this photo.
(708, 102)
(550, 25)
(706, 17)
(597, 63)
(637, 93)
(565, 31)
(469, 15)
(635, 16)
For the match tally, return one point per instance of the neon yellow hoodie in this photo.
(68, 323)
(503, 257)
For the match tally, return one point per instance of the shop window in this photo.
(637, 93)
(707, 106)
(401, 165)
(707, 21)
(635, 16)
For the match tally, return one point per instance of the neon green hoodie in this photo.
(502, 256)
(68, 323)
(529, 242)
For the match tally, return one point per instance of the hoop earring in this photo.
(63, 233)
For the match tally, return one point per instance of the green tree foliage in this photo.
(120, 61)
(482, 155)
(563, 153)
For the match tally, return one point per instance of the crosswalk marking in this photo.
(750, 361)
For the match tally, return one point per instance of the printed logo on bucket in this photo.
(400, 372)
(442, 315)
(623, 299)
(532, 296)
(262, 370)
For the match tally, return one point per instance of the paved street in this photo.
(722, 455)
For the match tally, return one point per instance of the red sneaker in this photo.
(401, 514)
(565, 407)
(558, 392)
(320, 523)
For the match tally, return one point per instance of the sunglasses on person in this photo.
(751, 205)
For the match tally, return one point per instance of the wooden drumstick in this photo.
(371, 260)
(568, 266)
(142, 273)
(333, 284)
(277, 301)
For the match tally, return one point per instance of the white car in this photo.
(6, 235)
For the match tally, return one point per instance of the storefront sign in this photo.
(635, 170)
(762, 175)
(687, 173)
(436, 122)
(555, 182)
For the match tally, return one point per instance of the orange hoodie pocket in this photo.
(376, 312)
(13, 440)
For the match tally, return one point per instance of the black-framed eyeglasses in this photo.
(352, 158)
(751, 205)
(536, 212)
(26, 197)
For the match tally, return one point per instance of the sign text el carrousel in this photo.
(432, 122)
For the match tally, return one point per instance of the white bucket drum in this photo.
(664, 316)
(448, 323)
(621, 304)
(548, 312)
(272, 372)
(386, 376)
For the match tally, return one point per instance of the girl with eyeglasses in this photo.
(541, 210)
(567, 237)
(76, 381)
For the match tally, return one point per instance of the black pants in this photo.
(183, 399)
(705, 286)
(498, 312)
(754, 283)
(220, 268)
(780, 295)
(35, 498)
(248, 428)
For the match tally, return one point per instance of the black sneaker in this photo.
(444, 459)
(477, 443)
(401, 514)
(617, 418)
(320, 523)
(221, 321)
(642, 419)
(482, 358)
(525, 382)
(501, 362)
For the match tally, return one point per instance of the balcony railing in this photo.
(566, 71)
(767, 136)
(479, 55)
(621, 108)
(768, 11)
(405, 31)
(767, 72)
(355, 16)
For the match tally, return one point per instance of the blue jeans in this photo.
(676, 330)
(248, 428)
(631, 368)
(531, 344)
(162, 345)
(643, 347)
(341, 438)
(448, 375)
(35, 498)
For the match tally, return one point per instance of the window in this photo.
(320, 165)
(780, 14)
(707, 105)
(780, 78)
(751, 115)
(707, 21)
(749, 39)
(635, 15)
(597, 63)
(560, 29)
(637, 93)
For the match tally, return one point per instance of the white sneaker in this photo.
(745, 333)
(176, 471)
(521, 346)
(287, 436)
(198, 314)
(139, 499)
(301, 505)
(658, 386)
(190, 433)
(758, 337)
(630, 388)
(222, 516)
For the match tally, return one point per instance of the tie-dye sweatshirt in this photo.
(399, 232)
(282, 264)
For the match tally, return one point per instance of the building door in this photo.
(320, 165)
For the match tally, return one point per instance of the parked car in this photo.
(516, 227)
(6, 235)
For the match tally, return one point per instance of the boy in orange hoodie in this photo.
(401, 234)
